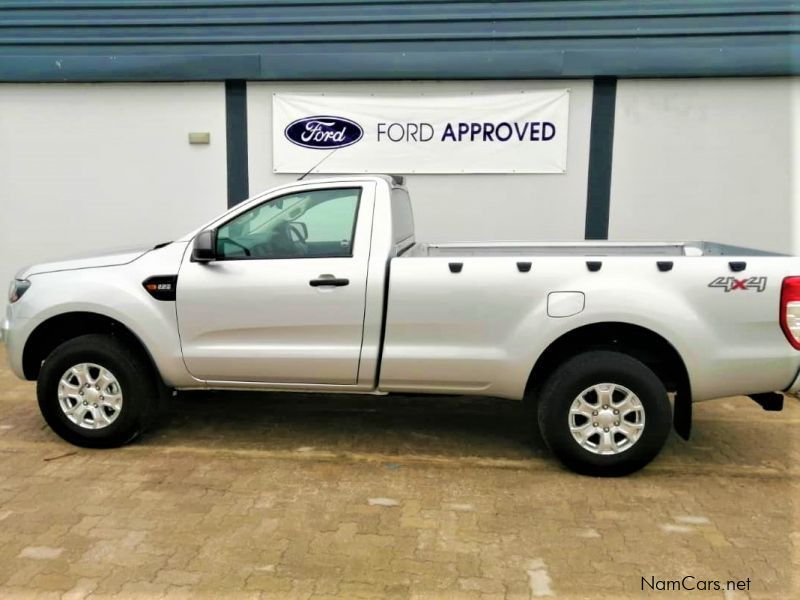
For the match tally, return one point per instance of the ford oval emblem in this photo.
(323, 132)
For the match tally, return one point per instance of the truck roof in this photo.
(392, 180)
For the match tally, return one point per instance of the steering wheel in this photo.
(225, 240)
(295, 235)
(280, 244)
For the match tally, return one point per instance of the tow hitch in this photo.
(771, 401)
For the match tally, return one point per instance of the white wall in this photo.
(86, 167)
(794, 165)
(459, 207)
(706, 159)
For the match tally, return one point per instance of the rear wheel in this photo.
(96, 392)
(604, 414)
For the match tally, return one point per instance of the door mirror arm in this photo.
(204, 247)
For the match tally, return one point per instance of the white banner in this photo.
(521, 132)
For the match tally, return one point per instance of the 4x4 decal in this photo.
(730, 284)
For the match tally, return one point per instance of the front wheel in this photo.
(96, 392)
(604, 414)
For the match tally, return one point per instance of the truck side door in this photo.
(284, 300)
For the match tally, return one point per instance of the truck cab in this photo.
(289, 289)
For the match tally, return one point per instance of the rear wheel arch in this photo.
(636, 341)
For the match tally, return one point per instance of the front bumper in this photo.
(10, 336)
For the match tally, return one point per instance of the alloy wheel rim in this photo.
(606, 419)
(90, 396)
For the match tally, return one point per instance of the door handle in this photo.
(323, 280)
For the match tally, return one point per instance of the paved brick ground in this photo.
(279, 496)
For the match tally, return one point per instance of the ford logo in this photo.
(323, 132)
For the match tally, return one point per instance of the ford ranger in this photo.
(320, 286)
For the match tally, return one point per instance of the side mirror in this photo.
(203, 249)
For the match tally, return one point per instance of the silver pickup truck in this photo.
(320, 286)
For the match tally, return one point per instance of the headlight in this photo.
(17, 288)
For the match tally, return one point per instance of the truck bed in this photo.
(473, 317)
(590, 248)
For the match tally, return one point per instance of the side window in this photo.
(309, 224)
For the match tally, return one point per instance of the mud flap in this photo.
(682, 415)
(771, 401)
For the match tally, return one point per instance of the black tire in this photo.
(140, 394)
(577, 374)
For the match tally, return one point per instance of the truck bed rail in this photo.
(589, 248)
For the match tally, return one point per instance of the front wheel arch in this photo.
(56, 330)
